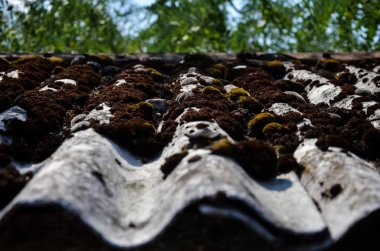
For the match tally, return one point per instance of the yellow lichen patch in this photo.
(211, 90)
(272, 128)
(217, 70)
(223, 147)
(236, 93)
(249, 103)
(256, 125)
(56, 60)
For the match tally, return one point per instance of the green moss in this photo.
(154, 73)
(275, 68)
(256, 125)
(57, 70)
(148, 126)
(249, 103)
(217, 70)
(236, 93)
(272, 128)
(140, 106)
(211, 90)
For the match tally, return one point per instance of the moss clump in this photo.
(330, 65)
(223, 147)
(273, 127)
(258, 159)
(141, 109)
(27, 58)
(102, 59)
(249, 103)
(346, 77)
(56, 60)
(256, 125)
(236, 93)
(57, 70)
(275, 68)
(217, 70)
(211, 81)
(287, 163)
(211, 90)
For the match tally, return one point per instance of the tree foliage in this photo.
(190, 25)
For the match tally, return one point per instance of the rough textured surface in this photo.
(270, 152)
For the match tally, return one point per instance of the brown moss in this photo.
(258, 159)
(330, 65)
(371, 138)
(167, 131)
(249, 103)
(136, 134)
(287, 163)
(11, 183)
(85, 77)
(346, 77)
(275, 68)
(4, 64)
(5, 157)
(287, 85)
(332, 192)
(116, 96)
(172, 162)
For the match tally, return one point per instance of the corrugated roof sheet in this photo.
(197, 152)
